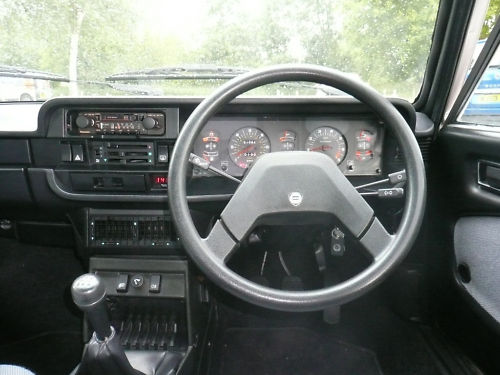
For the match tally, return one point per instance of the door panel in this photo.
(464, 250)
(477, 259)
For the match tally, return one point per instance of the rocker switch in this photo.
(122, 283)
(154, 284)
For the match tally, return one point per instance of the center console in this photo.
(157, 307)
(141, 316)
(99, 157)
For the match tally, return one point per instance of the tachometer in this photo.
(246, 145)
(328, 141)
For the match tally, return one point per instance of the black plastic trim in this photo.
(57, 189)
(450, 32)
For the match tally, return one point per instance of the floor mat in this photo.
(297, 351)
(38, 353)
(40, 328)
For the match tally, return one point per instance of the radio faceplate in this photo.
(90, 123)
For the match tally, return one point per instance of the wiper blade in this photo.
(188, 72)
(325, 89)
(20, 72)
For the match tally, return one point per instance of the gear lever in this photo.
(89, 295)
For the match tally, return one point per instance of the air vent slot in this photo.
(133, 231)
(425, 147)
(123, 153)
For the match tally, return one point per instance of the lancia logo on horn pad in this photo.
(295, 198)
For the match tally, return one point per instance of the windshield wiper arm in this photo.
(188, 72)
(20, 72)
(207, 72)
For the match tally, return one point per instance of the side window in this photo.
(483, 106)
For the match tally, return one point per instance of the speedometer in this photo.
(246, 145)
(328, 141)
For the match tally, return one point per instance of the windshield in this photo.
(189, 47)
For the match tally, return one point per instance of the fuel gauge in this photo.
(287, 141)
(364, 155)
(210, 146)
(364, 144)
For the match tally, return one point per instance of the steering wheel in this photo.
(283, 184)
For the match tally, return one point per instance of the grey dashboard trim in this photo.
(64, 194)
(424, 126)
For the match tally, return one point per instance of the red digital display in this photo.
(160, 180)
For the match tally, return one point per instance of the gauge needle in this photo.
(246, 149)
(321, 148)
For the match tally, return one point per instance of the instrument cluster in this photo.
(234, 143)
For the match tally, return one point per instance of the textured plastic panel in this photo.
(476, 245)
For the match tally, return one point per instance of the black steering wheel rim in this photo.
(202, 253)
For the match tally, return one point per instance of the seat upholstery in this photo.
(14, 370)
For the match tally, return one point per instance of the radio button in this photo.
(149, 123)
(83, 121)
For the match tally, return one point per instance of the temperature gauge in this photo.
(287, 141)
(211, 146)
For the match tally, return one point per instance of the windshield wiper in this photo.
(20, 72)
(188, 72)
(208, 72)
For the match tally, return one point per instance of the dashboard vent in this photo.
(127, 231)
(425, 147)
(123, 153)
(424, 143)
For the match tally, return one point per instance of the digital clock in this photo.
(159, 181)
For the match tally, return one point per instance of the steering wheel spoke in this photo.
(220, 242)
(282, 187)
(376, 239)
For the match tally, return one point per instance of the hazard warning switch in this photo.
(77, 153)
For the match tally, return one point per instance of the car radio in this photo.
(116, 123)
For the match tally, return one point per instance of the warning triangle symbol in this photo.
(77, 158)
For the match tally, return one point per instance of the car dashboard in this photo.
(234, 143)
(103, 163)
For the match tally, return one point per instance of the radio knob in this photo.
(83, 121)
(149, 123)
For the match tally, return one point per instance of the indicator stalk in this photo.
(205, 164)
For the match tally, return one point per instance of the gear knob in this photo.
(89, 294)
